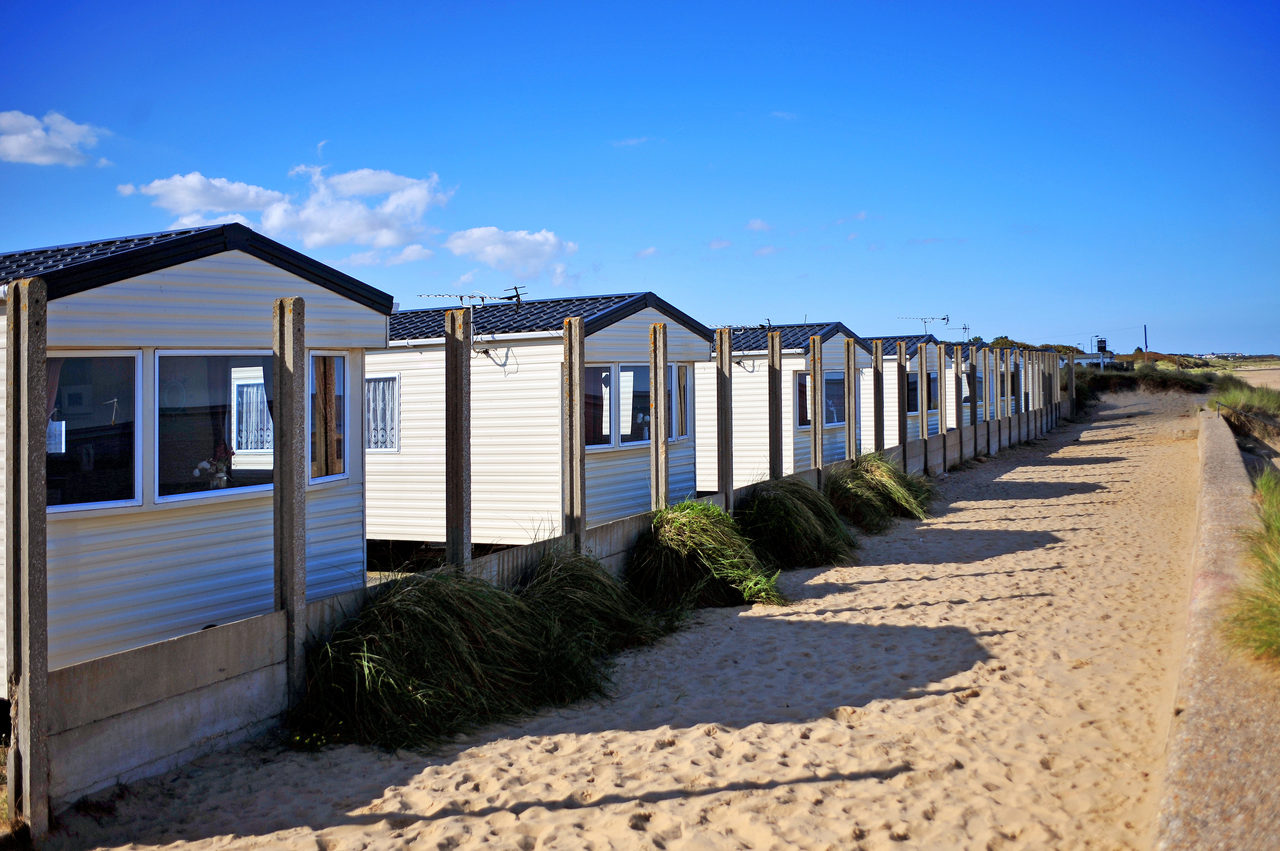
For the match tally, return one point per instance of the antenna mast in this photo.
(945, 320)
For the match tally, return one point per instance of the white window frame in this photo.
(673, 378)
(840, 407)
(237, 383)
(382, 376)
(346, 415)
(137, 500)
(611, 412)
(615, 407)
(216, 495)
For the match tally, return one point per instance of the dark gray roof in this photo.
(755, 338)
(71, 269)
(913, 342)
(533, 315)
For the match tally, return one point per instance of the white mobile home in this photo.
(751, 400)
(913, 346)
(159, 447)
(516, 420)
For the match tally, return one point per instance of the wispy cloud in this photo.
(521, 253)
(766, 250)
(717, 244)
(410, 254)
(647, 252)
(759, 225)
(52, 140)
(631, 143)
(561, 277)
(783, 116)
(875, 246)
(851, 237)
(860, 216)
(465, 279)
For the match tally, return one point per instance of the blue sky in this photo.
(1050, 171)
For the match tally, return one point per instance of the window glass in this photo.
(633, 403)
(681, 417)
(833, 398)
(382, 413)
(90, 449)
(913, 393)
(802, 399)
(933, 391)
(200, 418)
(596, 400)
(328, 415)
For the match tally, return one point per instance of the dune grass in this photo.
(694, 555)
(1252, 621)
(791, 524)
(434, 655)
(1242, 396)
(871, 491)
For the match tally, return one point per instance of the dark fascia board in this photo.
(840, 328)
(639, 303)
(195, 246)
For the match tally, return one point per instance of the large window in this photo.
(678, 400)
(598, 401)
(91, 454)
(382, 412)
(208, 405)
(913, 393)
(633, 403)
(933, 391)
(833, 398)
(623, 417)
(328, 416)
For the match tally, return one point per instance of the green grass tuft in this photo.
(694, 555)
(870, 491)
(1252, 621)
(791, 524)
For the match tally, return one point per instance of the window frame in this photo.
(220, 494)
(802, 418)
(312, 354)
(235, 410)
(382, 450)
(138, 408)
(673, 379)
(614, 412)
(840, 407)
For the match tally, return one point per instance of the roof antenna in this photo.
(516, 297)
(945, 320)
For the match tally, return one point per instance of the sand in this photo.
(1260, 377)
(998, 676)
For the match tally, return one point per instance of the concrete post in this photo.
(942, 401)
(973, 397)
(851, 413)
(26, 588)
(1071, 384)
(817, 407)
(775, 404)
(457, 437)
(659, 416)
(957, 364)
(877, 393)
(900, 370)
(991, 401)
(922, 389)
(573, 432)
(724, 415)
(289, 480)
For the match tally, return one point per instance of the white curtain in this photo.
(382, 413)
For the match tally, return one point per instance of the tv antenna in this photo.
(478, 297)
(945, 320)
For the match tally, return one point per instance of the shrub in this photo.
(792, 524)
(1253, 616)
(693, 555)
(870, 491)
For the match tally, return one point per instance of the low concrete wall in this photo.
(612, 543)
(934, 455)
(953, 448)
(980, 439)
(915, 456)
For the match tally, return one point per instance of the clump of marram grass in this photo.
(792, 524)
(1252, 619)
(434, 655)
(693, 555)
(870, 491)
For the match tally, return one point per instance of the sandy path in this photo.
(1000, 675)
(1260, 377)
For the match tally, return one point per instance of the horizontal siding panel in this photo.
(627, 341)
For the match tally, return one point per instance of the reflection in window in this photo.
(802, 399)
(90, 455)
(833, 398)
(200, 418)
(933, 391)
(382, 413)
(328, 415)
(913, 393)
(595, 394)
(633, 403)
(678, 400)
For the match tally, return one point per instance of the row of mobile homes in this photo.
(517, 386)
(159, 431)
(750, 388)
(914, 346)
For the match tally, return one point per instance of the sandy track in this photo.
(1000, 675)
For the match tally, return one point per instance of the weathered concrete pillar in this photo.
(900, 373)
(724, 415)
(877, 394)
(1071, 384)
(852, 416)
(659, 416)
(289, 479)
(942, 401)
(817, 389)
(922, 389)
(573, 475)
(457, 437)
(775, 404)
(26, 588)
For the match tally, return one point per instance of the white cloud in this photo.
(852, 236)
(194, 194)
(53, 140)
(465, 279)
(199, 220)
(628, 143)
(523, 254)
(647, 252)
(765, 251)
(560, 276)
(717, 244)
(785, 116)
(411, 253)
(759, 225)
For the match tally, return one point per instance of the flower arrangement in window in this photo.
(216, 469)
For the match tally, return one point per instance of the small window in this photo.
(633, 403)
(833, 398)
(91, 436)
(933, 391)
(328, 416)
(382, 412)
(678, 400)
(252, 431)
(597, 401)
(802, 400)
(913, 393)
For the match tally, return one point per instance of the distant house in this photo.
(159, 458)
(751, 400)
(516, 420)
